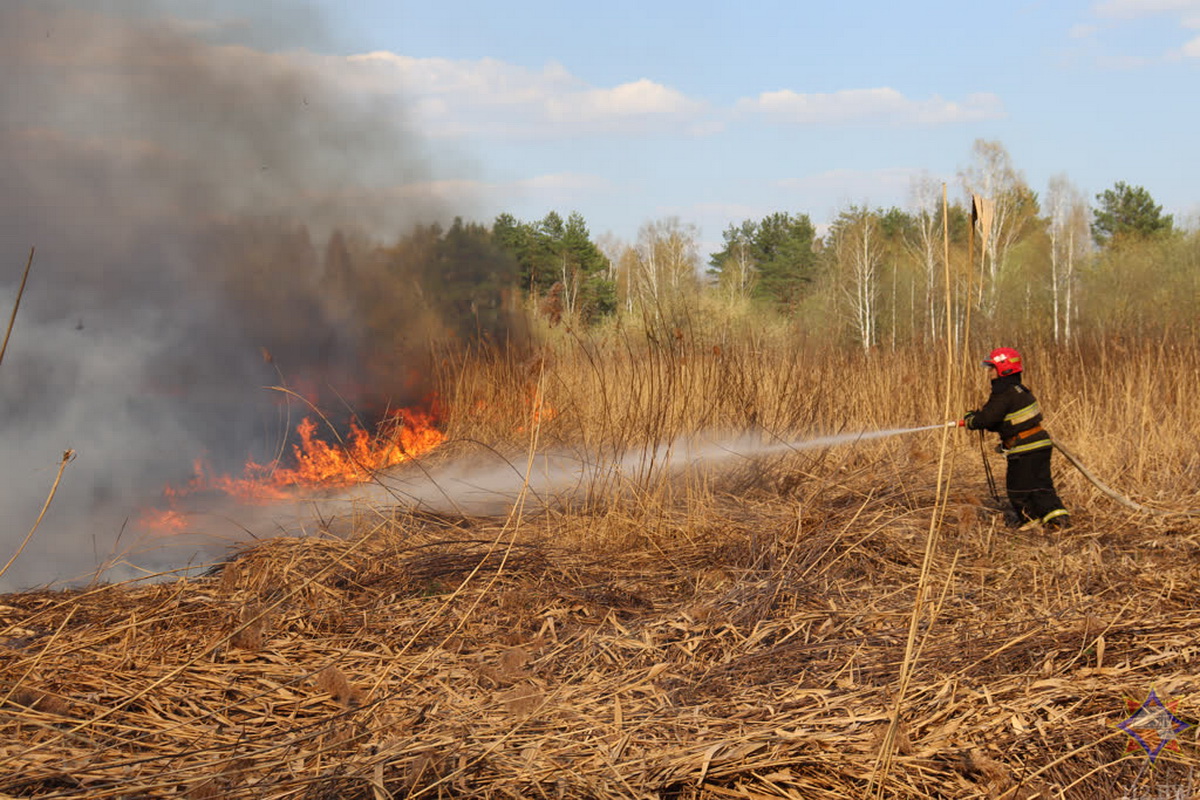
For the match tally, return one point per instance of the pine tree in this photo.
(784, 250)
(1127, 212)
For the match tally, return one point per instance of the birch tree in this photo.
(1068, 237)
(992, 175)
(858, 252)
(925, 244)
(663, 263)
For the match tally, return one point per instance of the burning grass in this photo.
(704, 634)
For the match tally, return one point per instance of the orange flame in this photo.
(539, 410)
(166, 522)
(404, 435)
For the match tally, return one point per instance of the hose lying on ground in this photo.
(1120, 498)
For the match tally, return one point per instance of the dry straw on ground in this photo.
(718, 636)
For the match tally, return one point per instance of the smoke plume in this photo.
(199, 204)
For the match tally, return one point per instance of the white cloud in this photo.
(880, 105)
(1132, 9)
(643, 97)
(497, 99)
(494, 97)
(1187, 13)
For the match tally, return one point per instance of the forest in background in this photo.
(1050, 267)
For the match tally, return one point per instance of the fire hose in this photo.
(1115, 495)
(1075, 462)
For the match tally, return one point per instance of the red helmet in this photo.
(1006, 361)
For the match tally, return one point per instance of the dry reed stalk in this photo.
(880, 776)
(690, 641)
(67, 457)
(16, 305)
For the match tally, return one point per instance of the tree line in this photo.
(1027, 264)
(1000, 259)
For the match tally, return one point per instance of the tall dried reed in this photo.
(727, 633)
(1121, 406)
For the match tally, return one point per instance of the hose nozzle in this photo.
(956, 423)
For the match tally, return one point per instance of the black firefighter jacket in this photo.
(1013, 412)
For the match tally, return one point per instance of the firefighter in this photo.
(1013, 412)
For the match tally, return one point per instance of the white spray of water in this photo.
(478, 483)
(843, 438)
(489, 484)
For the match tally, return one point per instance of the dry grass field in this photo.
(744, 631)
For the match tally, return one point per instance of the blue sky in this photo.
(631, 111)
(716, 112)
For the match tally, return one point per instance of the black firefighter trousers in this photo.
(1030, 485)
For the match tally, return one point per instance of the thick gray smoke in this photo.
(181, 184)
